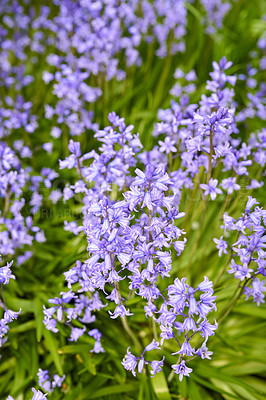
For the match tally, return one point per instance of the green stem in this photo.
(196, 243)
(170, 161)
(124, 320)
(226, 265)
(210, 158)
(226, 311)
(6, 206)
(172, 374)
(222, 271)
(130, 332)
(154, 330)
(3, 296)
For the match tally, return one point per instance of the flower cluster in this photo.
(247, 252)
(131, 243)
(216, 10)
(130, 219)
(97, 39)
(46, 384)
(84, 40)
(130, 362)
(177, 317)
(37, 395)
(129, 198)
(18, 230)
(9, 315)
(82, 308)
(256, 90)
(203, 136)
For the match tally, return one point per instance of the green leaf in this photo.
(209, 385)
(245, 368)
(257, 383)
(89, 363)
(215, 373)
(19, 376)
(250, 329)
(142, 387)
(160, 386)
(26, 326)
(193, 391)
(130, 387)
(51, 345)
(38, 313)
(251, 309)
(16, 304)
(7, 365)
(5, 381)
(245, 394)
(182, 386)
(74, 348)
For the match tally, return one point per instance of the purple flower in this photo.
(38, 395)
(186, 349)
(9, 315)
(141, 365)
(230, 185)
(44, 380)
(182, 370)
(120, 311)
(167, 146)
(98, 347)
(156, 366)
(250, 203)
(76, 333)
(204, 353)
(152, 346)
(256, 291)
(74, 148)
(57, 381)
(5, 274)
(240, 271)
(221, 245)
(211, 188)
(50, 324)
(130, 362)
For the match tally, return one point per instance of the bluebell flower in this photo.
(186, 350)
(167, 146)
(44, 380)
(182, 370)
(6, 274)
(120, 311)
(38, 395)
(76, 333)
(240, 271)
(50, 324)
(221, 245)
(57, 381)
(152, 346)
(140, 365)
(156, 366)
(10, 315)
(203, 352)
(130, 362)
(211, 188)
(256, 290)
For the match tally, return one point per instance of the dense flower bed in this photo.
(156, 236)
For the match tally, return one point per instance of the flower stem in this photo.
(130, 332)
(124, 320)
(226, 311)
(210, 157)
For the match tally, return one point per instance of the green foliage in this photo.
(237, 370)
